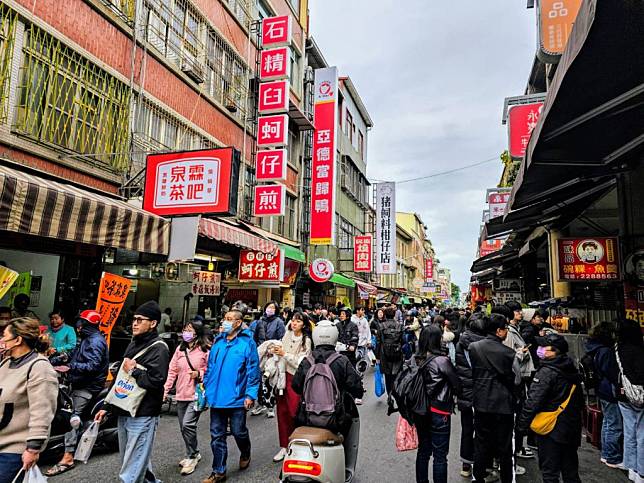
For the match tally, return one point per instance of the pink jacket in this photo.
(179, 371)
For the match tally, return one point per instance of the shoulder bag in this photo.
(544, 422)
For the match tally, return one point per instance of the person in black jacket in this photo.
(150, 370)
(474, 332)
(495, 377)
(556, 380)
(347, 335)
(389, 354)
(441, 384)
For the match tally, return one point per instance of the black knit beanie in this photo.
(151, 310)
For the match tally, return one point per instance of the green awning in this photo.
(404, 300)
(342, 280)
(293, 253)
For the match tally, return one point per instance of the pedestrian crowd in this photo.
(505, 371)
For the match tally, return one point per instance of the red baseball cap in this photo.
(91, 316)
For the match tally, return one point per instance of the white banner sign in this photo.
(386, 228)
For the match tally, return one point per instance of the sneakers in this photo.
(466, 472)
(190, 466)
(492, 476)
(243, 463)
(185, 461)
(519, 470)
(257, 410)
(270, 413)
(215, 478)
(281, 454)
(358, 401)
(525, 453)
(617, 466)
(75, 421)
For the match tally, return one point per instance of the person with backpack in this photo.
(601, 347)
(441, 385)
(389, 354)
(328, 383)
(474, 331)
(556, 385)
(348, 335)
(630, 361)
(187, 369)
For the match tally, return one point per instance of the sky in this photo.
(433, 76)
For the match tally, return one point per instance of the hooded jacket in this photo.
(607, 369)
(464, 368)
(233, 371)
(89, 360)
(550, 388)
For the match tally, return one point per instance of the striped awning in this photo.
(40, 207)
(220, 231)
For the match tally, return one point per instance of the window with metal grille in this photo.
(124, 9)
(67, 101)
(345, 234)
(7, 34)
(286, 223)
(248, 191)
(241, 9)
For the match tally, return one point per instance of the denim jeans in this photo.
(188, 419)
(10, 465)
(219, 418)
(633, 437)
(433, 440)
(611, 432)
(136, 437)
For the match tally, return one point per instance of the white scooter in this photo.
(316, 455)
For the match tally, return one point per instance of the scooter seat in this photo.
(317, 436)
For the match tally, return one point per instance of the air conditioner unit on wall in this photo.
(194, 71)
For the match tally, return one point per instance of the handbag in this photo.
(544, 422)
(406, 435)
(379, 383)
(125, 393)
(200, 390)
(87, 441)
(633, 392)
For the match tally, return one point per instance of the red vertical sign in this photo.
(362, 254)
(522, 119)
(429, 270)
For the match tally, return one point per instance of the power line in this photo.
(441, 173)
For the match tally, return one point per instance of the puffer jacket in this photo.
(607, 369)
(550, 388)
(441, 382)
(269, 328)
(89, 361)
(463, 367)
(348, 333)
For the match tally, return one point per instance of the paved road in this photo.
(378, 461)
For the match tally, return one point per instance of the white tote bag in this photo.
(125, 392)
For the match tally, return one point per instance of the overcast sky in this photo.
(433, 76)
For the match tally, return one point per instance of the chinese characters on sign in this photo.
(497, 202)
(206, 283)
(272, 131)
(522, 119)
(271, 165)
(324, 157)
(386, 228)
(429, 269)
(274, 64)
(589, 259)
(270, 200)
(273, 97)
(263, 267)
(276, 31)
(362, 253)
(190, 182)
(556, 20)
(111, 297)
(490, 246)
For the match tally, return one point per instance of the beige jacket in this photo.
(294, 352)
(28, 394)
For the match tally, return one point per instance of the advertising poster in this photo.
(111, 298)
(588, 259)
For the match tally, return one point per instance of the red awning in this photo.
(365, 287)
(232, 235)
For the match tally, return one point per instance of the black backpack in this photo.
(589, 371)
(409, 391)
(391, 340)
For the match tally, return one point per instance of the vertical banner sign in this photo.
(522, 119)
(324, 157)
(270, 200)
(589, 259)
(111, 297)
(497, 203)
(276, 31)
(271, 165)
(429, 270)
(556, 19)
(362, 255)
(386, 228)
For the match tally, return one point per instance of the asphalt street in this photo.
(378, 461)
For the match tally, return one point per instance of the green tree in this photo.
(456, 293)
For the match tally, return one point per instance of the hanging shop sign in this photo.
(386, 228)
(429, 269)
(362, 255)
(274, 64)
(497, 201)
(490, 246)
(321, 270)
(7, 278)
(261, 267)
(271, 165)
(272, 131)
(634, 286)
(323, 182)
(206, 283)
(507, 285)
(522, 119)
(589, 259)
(270, 200)
(112, 293)
(276, 31)
(273, 97)
(192, 182)
(556, 19)
(481, 293)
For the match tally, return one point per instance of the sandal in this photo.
(59, 468)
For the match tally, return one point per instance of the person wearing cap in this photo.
(150, 370)
(88, 364)
(556, 380)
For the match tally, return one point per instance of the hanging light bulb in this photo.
(211, 266)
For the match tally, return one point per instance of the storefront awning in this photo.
(340, 279)
(221, 231)
(36, 206)
(366, 287)
(494, 260)
(293, 253)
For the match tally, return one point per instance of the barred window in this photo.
(286, 223)
(241, 9)
(67, 101)
(7, 34)
(345, 233)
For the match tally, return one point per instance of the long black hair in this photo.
(429, 341)
(306, 327)
(200, 336)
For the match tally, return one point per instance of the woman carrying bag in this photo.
(187, 369)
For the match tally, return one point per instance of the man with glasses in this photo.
(150, 369)
(495, 376)
(232, 382)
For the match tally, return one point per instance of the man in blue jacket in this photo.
(232, 382)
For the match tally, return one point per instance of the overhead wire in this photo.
(442, 173)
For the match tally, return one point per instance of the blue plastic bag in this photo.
(200, 397)
(379, 381)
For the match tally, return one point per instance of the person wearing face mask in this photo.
(557, 383)
(232, 383)
(187, 368)
(28, 389)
